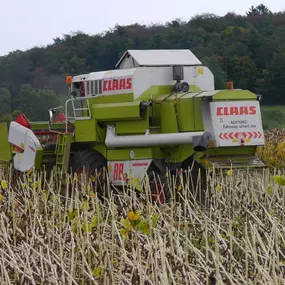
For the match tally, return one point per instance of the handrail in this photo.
(74, 109)
(77, 109)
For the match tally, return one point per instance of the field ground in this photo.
(236, 237)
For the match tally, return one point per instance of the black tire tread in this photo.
(89, 159)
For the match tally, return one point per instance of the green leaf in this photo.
(84, 227)
(124, 233)
(143, 227)
(139, 188)
(94, 222)
(84, 205)
(98, 271)
(279, 179)
(126, 224)
(71, 215)
(4, 184)
(154, 220)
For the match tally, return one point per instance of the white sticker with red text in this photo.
(237, 123)
(120, 171)
(117, 85)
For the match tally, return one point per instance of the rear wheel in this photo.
(93, 165)
(195, 177)
(159, 188)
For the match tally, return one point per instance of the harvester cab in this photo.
(157, 110)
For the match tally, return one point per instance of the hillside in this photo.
(249, 50)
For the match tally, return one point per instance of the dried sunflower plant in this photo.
(54, 233)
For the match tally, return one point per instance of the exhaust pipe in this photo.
(113, 140)
(201, 142)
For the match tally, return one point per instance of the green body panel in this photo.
(234, 95)
(139, 153)
(177, 154)
(116, 111)
(168, 118)
(129, 97)
(194, 89)
(154, 91)
(100, 147)
(134, 126)
(246, 150)
(186, 114)
(43, 125)
(5, 148)
(124, 154)
(86, 131)
(39, 158)
(198, 119)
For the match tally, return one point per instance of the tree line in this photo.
(246, 49)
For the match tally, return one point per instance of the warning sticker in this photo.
(237, 123)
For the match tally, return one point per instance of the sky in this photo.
(29, 23)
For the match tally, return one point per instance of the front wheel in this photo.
(93, 165)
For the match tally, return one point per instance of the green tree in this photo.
(35, 103)
(261, 9)
(5, 99)
(219, 74)
(244, 72)
(275, 80)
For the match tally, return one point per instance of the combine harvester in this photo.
(157, 110)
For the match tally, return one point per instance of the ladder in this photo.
(84, 112)
(62, 151)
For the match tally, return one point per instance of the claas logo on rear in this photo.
(238, 111)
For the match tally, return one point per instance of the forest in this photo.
(246, 49)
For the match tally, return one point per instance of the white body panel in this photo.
(138, 80)
(25, 139)
(234, 123)
(157, 57)
(138, 70)
(112, 140)
(120, 171)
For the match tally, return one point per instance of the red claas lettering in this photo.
(117, 84)
(232, 111)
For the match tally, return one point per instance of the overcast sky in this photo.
(29, 23)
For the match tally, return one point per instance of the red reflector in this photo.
(23, 120)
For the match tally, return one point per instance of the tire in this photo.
(159, 188)
(93, 164)
(195, 176)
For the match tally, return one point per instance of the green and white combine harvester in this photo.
(158, 110)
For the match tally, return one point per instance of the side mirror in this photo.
(51, 112)
(73, 94)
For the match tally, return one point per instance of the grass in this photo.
(50, 237)
(273, 117)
